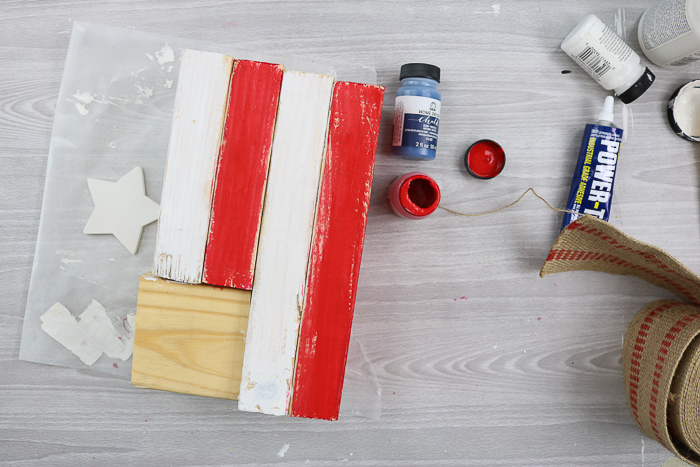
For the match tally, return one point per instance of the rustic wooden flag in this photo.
(336, 252)
(242, 174)
(285, 238)
(193, 152)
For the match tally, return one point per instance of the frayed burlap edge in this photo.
(658, 338)
(591, 244)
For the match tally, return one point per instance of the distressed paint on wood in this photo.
(189, 338)
(285, 238)
(193, 151)
(336, 251)
(242, 174)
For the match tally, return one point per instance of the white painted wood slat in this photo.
(193, 150)
(285, 237)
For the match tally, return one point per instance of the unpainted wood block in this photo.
(189, 338)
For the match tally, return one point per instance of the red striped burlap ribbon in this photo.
(661, 352)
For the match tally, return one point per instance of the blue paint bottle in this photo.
(417, 112)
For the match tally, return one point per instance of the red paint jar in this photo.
(485, 159)
(414, 195)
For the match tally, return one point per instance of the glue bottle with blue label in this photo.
(594, 178)
(417, 112)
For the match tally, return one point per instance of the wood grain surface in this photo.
(286, 229)
(189, 338)
(241, 176)
(336, 250)
(190, 169)
(480, 361)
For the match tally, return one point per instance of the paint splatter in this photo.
(168, 84)
(165, 55)
(144, 91)
(84, 97)
(496, 8)
(89, 336)
(81, 109)
(620, 23)
(283, 450)
(565, 72)
(112, 144)
(539, 318)
(66, 260)
(627, 118)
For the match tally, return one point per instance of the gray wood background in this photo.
(480, 361)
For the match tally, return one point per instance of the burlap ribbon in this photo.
(660, 355)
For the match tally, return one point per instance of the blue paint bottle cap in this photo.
(419, 70)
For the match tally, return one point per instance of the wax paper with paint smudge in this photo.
(113, 113)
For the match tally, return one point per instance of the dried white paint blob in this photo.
(283, 450)
(81, 109)
(68, 260)
(91, 335)
(84, 97)
(168, 84)
(165, 55)
(144, 91)
(496, 8)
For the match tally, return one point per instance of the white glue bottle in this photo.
(669, 32)
(611, 62)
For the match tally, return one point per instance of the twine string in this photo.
(509, 205)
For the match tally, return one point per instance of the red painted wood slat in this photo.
(339, 233)
(242, 174)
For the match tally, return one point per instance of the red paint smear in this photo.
(486, 159)
(336, 251)
(419, 195)
(242, 174)
(115, 365)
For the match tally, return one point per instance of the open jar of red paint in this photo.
(414, 195)
(485, 159)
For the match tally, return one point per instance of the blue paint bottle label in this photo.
(416, 121)
(592, 185)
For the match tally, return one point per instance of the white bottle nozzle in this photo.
(607, 114)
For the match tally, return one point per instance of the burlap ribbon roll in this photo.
(661, 351)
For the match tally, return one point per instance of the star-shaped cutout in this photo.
(121, 208)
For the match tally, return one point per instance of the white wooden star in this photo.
(121, 208)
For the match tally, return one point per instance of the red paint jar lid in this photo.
(485, 159)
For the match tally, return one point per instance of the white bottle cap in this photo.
(607, 114)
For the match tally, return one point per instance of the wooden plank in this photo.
(336, 252)
(193, 151)
(285, 238)
(189, 338)
(242, 174)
